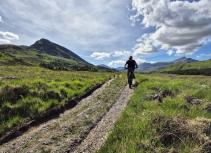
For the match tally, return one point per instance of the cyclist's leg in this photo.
(130, 79)
(134, 75)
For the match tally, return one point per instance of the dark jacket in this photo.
(131, 64)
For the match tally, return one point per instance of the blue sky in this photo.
(108, 31)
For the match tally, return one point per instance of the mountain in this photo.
(120, 69)
(148, 67)
(184, 60)
(43, 53)
(192, 68)
(50, 48)
(105, 67)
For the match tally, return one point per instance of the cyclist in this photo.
(131, 65)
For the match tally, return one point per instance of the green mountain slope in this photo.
(28, 56)
(51, 48)
(195, 68)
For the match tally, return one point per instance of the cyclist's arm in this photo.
(126, 65)
(136, 65)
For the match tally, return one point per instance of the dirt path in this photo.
(65, 133)
(98, 135)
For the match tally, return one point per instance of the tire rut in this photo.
(98, 135)
(65, 133)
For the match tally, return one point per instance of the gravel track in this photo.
(81, 129)
(98, 135)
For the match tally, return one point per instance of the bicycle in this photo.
(130, 76)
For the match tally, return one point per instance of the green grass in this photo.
(195, 68)
(18, 56)
(36, 90)
(138, 128)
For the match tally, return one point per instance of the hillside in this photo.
(45, 54)
(148, 67)
(105, 68)
(195, 68)
(51, 48)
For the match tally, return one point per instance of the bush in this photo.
(13, 94)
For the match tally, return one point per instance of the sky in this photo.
(109, 31)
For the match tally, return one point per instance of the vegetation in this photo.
(26, 92)
(28, 57)
(195, 68)
(167, 113)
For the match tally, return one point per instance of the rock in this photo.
(193, 100)
(9, 77)
(206, 148)
(208, 108)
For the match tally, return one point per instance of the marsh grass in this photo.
(35, 90)
(136, 130)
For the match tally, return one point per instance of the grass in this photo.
(194, 65)
(26, 92)
(21, 56)
(171, 126)
(195, 68)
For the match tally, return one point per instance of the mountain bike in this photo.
(130, 76)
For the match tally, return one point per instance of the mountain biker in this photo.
(131, 65)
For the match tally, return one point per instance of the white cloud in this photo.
(203, 55)
(111, 54)
(170, 52)
(140, 60)
(1, 19)
(121, 63)
(85, 25)
(180, 26)
(8, 37)
(117, 63)
(121, 53)
(100, 55)
(5, 41)
(145, 45)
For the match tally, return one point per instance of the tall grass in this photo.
(34, 90)
(136, 131)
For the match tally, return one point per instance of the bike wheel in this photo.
(130, 79)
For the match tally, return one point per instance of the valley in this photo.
(52, 100)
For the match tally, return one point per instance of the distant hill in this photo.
(194, 68)
(45, 54)
(105, 67)
(120, 69)
(184, 60)
(50, 48)
(148, 67)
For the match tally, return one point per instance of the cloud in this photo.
(110, 54)
(121, 53)
(5, 41)
(181, 26)
(170, 52)
(208, 55)
(100, 55)
(1, 19)
(84, 25)
(140, 60)
(121, 63)
(116, 58)
(145, 45)
(8, 37)
(117, 63)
